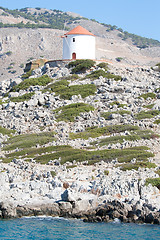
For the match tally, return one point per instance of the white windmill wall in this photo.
(83, 46)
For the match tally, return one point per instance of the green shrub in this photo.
(6, 131)
(79, 155)
(158, 172)
(97, 132)
(148, 114)
(119, 59)
(66, 92)
(69, 112)
(150, 106)
(21, 65)
(57, 86)
(98, 73)
(155, 182)
(40, 81)
(118, 104)
(29, 140)
(157, 121)
(71, 166)
(27, 74)
(68, 154)
(24, 97)
(135, 166)
(148, 95)
(33, 152)
(106, 172)
(121, 112)
(81, 65)
(103, 65)
(71, 77)
(53, 173)
(9, 53)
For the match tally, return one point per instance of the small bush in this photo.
(71, 77)
(150, 106)
(148, 114)
(158, 172)
(6, 131)
(106, 172)
(119, 59)
(155, 182)
(66, 92)
(103, 65)
(71, 166)
(27, 74)
(9, 53)
(118, 104)
(121, 112)
(157, 121)
(98, 73)
(148, 95)
(81, 65)
(24, 97)
(130, 166)
(53, 173)
(69, 112)
(40, 81)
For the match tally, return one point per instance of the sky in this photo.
(140, 17)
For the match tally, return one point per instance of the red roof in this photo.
(79, 31)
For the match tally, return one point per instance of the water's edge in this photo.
(104, 213)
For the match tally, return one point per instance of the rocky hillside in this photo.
(80, 135)
(28, 34)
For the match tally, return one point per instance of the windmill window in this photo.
(74, 39)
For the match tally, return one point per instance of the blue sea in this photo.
(47, 228)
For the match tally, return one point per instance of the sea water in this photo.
(47, 228)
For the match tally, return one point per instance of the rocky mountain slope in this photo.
(19, 45)
(85, 143)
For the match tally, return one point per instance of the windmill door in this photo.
(74, 56)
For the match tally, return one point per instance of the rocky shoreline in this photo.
(75, 193)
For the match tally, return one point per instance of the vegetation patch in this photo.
(150, 106)
(24, 97)
(29, 140)
(148, 95)
(66, 92)
(158, 172)
(40, 81)
(157, 121)
(135, 166)
(6, 131)
(97, 132)
(148, 114)
(101, 73)
(33, 152)
(81, 65)
(27, 74)
(79, 155)
(155, 182)
(53, 173)
(67, 154)
(118, 104)
(103, 65)
(137, 135)
(106, 172)
(71, 77)
(69, 112)
(106, 115)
